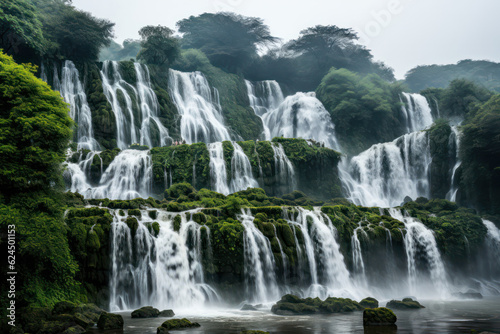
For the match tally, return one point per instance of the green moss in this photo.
(135, 212)
(177, 223)
(132, 224)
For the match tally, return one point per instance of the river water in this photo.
(438, 317)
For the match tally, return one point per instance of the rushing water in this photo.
(241, 171)
(386, 173)
(416, 112)
(454, 146)
(218, 171)
(198, 106)
(285, 181)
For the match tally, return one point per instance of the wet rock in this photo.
(176, 324)
(167, 313)
(146, 312)
(54, 327)
(83, 320)
(379, 317)
(293, 305)
(110, 321)
(75, 330)
(369, 303)
(405, 304)
(468, 295)
(248, 307)
(64, 307)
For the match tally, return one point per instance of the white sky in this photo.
(416, 32)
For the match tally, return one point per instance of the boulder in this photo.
(83, 320)
(167, 313)
(248, 307)
(64, 307)
(380, 316)
(91, 311)
(110, 321)
(253, 332)
(32, 318)
(405, 304)
(176, 324)
(54, 327)
(369, 303)
(75, 330)
(146, 312)
(468, 295)
(293, 305)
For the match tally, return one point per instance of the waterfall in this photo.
(73, 93)
(201, 115)
(241, 171)
(386, 173)
(328, 272)
(149, 109)
(218, 173)
(357, 255)
(163, 270)
(420, 243)
(284, 258)
(493, 245)
(260, 277)
(283, 170)
(416, 112)
(298, 116)
(127, 177)
(135, 107)
(454, 146)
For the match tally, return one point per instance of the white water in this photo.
(260, 278)
(298, 116)
(419, 242)
(73, 93)
(241, 171)
(454, 145)
(328, 272)
(493, 244)
(357, 256)
(386, 173)
(201, 114)
(129, 176)
(218, 172)
(416, 112)
(163, 271)
(283, 170)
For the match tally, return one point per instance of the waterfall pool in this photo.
(460, 316)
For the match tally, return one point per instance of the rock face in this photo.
(167, 313)
(378, 317)
(146, 312)
(369, 303)
(176, 324)
(293, 305)
(110, 321)
(405, 304)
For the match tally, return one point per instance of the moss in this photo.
(378, 316)
(135, 212)
(293, 305)
(405, 304)
(177, 223)
(178, 324)
(132, 224)
(199, 217)
(369, 302)
(156, 228)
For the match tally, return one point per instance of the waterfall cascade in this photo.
(493, 244)
(386, 173)
(454, 146)
(218, 172)
(163, 270)
(241, 171)
(284, 171)
(416, 112)
(198, 106)
(128, 176)
(298, 116)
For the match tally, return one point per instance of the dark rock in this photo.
(405, 304)
(110, 321)
(75, 330)
(468, 295)
(293, 305)
(253, 332)
(167, 313)
(378, 317)
(91, 311)
(248, 307)
(146, 312)
(54, 327)
(369, 303)
(64, 307)
(83, 320)
(176, 324)
(32, 318)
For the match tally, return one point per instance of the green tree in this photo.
(35, 129)
(19, 24)
(230, 41)
(462, 97)
(158, 45)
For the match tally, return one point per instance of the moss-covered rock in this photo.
(369, 302)
(293, 305)
(110, 321)
(378, 317)
(64, 307)
(405, 304)
(177, 324)
(145, 312)
(167, 313)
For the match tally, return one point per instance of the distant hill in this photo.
(482, 72)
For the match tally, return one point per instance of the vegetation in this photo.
(158, 45)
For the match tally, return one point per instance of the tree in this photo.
(158, 45)
(19, 24)
(230, 41)
(35, 129)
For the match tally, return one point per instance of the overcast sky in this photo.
(402, 33)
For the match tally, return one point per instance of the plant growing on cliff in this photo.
(159, 47)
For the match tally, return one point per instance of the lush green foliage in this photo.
(442, 158)
(158, 45)
(364, 109)
(229, 40)
(481, 72)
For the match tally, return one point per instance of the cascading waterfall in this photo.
(416, 112)
(73, 93)
(419, 242)
(129, 176)
(298, 116)
(386, 173)
(218, 173)
(328, 272)
(163, 270)
(284, 258)
(357, 255)
(454, 146)
(241, 171)
(201, 115)
(493, 245)
(149, 109)
(260, 277)
(284, 171)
